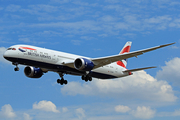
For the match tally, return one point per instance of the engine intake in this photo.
(83, 64)
(33, 72)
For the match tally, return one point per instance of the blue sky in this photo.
(93, 28)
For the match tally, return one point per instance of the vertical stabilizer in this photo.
(125, 49)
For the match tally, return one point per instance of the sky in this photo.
(95, 28)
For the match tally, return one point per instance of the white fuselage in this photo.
(50, 60)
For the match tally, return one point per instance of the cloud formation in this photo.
(2, 50)
(27, 116)
(46, 106)
(7, 111)
(122, 108)
(143, 112)
(124, 18)
(80, 113)
(138, 86)
(171, 71)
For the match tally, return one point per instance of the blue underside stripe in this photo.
(58, 68)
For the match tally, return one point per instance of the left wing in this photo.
(110, 59)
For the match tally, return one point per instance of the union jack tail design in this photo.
(125, 49)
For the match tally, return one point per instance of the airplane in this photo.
(41, 60)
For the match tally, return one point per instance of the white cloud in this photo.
(27, 116)
(107, 18)
(170, 114)
(174, 47)
(112, 1)
(138, 86)
(175, 3)
(175, 23)
(80, 113)
(1, 8)
(13, 8)
(158, 22)
(83, 3)
(76, 42)
(143, 112)
(84, 26)
(64, 109)
(44, 8)
(122, 108)
(158, 19)
(7, 111)
(171, 71)
(45, 106)
(60, 1)
(2, 50)
(176, 113)
(27, 40)
(131, 35)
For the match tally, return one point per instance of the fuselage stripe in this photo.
(26, 48)
(126, 49)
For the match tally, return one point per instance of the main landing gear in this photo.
(16, 68)
(62, 81)
(86, 78)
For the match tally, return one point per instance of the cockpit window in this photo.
(11, 49)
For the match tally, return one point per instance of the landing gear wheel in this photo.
(83, 77)
(62, 81)
(90, 78)
(65, 82)
(86, 78)
(16, 64)
(16, 69)
(58, 80)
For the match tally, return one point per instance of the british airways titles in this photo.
(39, 55)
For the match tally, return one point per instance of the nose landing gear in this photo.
(16, 68)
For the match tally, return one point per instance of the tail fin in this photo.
(125, 49)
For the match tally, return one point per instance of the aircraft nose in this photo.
(5, 55)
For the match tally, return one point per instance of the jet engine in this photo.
(33, 72)
(83, 64)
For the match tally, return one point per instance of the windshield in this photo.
(11, 49)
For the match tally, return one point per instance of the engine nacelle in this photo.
(83, 64)
(33, 72)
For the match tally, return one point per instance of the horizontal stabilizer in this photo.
(138, 69)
